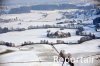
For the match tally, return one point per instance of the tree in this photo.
(0, 30)
(80, 29)
(8, 44)
(77, 32)
(97, 26)
(96, 21)
(90, 34)
(56, 33)
(5, 29)
(48, 33)
(69, 35)
(93, 36)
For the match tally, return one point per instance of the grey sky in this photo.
(19, 2)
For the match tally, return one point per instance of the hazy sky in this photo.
(14, 2)
(33, 2)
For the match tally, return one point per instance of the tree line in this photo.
(6, 29)
(9, 44)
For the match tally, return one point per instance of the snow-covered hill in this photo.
(63, 21)
(32, 54)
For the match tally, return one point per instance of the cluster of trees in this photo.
(44, 42)
(4, 30)
(7, 44)
(96, 20)
(57, 19)
(58, 34)
(4, 20)
(85, 38)
(79, 31)
(27, 43)
(88, 34)
(9, 20)
(97, 11)
(18, 29)
(60, 42)
(87, 13)
(67, 21)
(97, 27)
(30, 42)
(99, 46)
(72, 25)
(14, 19)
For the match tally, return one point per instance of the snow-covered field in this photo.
(35, 16)
(35, 35)
(31, 55)
(88, 46)
(25, 24)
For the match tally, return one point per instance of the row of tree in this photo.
(6, 29)
(83, 39)
(47, 42)
(7, 44)
(69, 26)
(86, 38)
(86, 34)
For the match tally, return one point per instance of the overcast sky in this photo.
(20, 2)
(34, 2)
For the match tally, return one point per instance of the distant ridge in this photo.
(27, 9)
